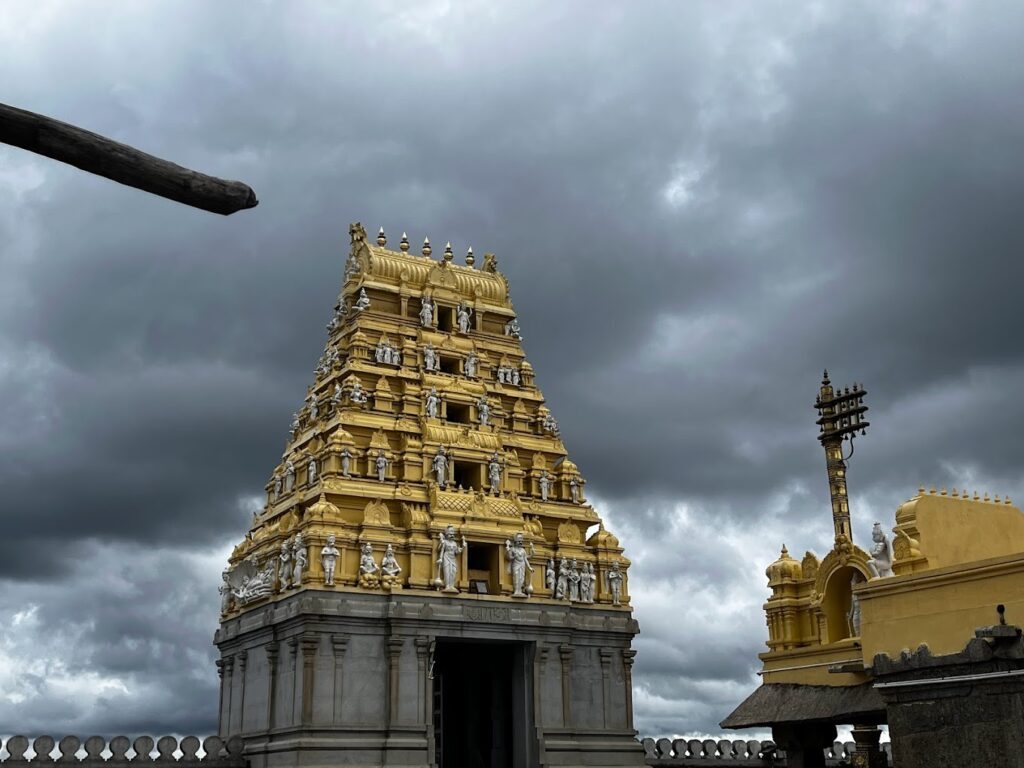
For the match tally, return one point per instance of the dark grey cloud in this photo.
(698, 207)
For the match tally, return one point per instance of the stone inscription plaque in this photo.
(486, 613)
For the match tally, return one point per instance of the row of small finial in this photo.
(964, 494)
(403, 245)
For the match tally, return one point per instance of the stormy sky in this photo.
(698, 205)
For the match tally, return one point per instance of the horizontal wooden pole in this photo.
(121, 163)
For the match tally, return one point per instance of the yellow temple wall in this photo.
(940, 607)
(809, 665)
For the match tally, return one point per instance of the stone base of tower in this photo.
(351, 678)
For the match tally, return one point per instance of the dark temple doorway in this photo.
(483, 714)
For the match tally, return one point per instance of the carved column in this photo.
(565, 653)
(868, 753)
(243, 659)
(606, 680)
(272, 652)
(340, 645)
(422, 651)
(293, 650)
(539, 673)
(394, 650)
(628, 656)
(229, 665)
(222, 725)
(309, 645)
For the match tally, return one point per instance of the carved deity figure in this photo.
(519, 565)
(336, 395)
(225, 593)
(368, 570)
(433, 403)
(357, 395)
(549, 424)
(586, 584)
(574, 490)
(574, 581)
(329, 559)
(549, 575)
(314, 407)
(562, 585)
(448, 551)
(494, 473)
(440, 466)
(390, 569)
(284, 570)
(346, 462)
(381, 464)
(880, 564)
(470, 365)
(300, 558)
(363, 302)
(514, 374)
(464, 313)
(484, 409)
(853, 617)
(427, 313)
(289, 476)
(614, 580)
(429, 358)
(545, 485)
(295, 425)
(277, 487)
(380, 353)
(311, 472)
(512, 328)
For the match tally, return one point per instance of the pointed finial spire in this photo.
(382, 239)
(426, 246)
(404, 244)
(824, 378)
(470, 258)
(448, 255)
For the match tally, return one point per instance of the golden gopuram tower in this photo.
(426, 584)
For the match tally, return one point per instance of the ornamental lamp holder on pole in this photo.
(840, 418)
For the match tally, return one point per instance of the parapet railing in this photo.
(683, 753)
(120, 751)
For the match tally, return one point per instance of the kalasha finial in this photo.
(470, 258)
(426, 246)
(824, 379)
(448, 255)
(404, 243)
(382, 239)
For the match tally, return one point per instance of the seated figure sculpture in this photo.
(880, 563)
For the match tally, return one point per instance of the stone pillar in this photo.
(243, 659)
(606, 685)
(340, 644)
(229, 665)
(272, 652)
(222, 725)
(805, 743)
(565, 652)
(628, 657)
(422, 651)
(293, 650)
(868, 753)
(309, 645)
(539, 673)
(394, 651)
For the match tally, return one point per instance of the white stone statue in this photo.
(429, 358)
(357, 395)
(311, 472)
(853, 617)
(284, 570)
(427, 313)
(329, 559)
(336, 395)
(514, 376)
(549, 575)
(880, 564)
(378, 354)
(433, 403)
(549, 424)
(484, 409)
(545, 485)
(247, 582)
(614, 580)
(574, 490)
(225, 593)
(346, 462)
(587, 583)
(368, 571)
(562, 585)
(512, 328)
(574, 582)
(464, 313)
(300, 559)
(363, 302)
(448, 551)
(470, 365)
(519, 565)
(440, 466)
(314, 407)
(381, 464)
(277, 487)
(295, 426)
(390, 570)
(289, 476)
(494, 473)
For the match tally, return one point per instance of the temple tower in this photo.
(426, 584)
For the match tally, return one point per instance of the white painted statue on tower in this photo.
(614, 580)
(545, 485)
(464, 313)
(300, 559)
(549, 575)
(329, 560)
(289, 476)
(429, 357)
(440, 466)
(381, 464)
(574, 490)
(311, 472)
(368, 577)
(448, 551)
(346, 462)
(363, 302)
(427, 313)
(390, 570)
(574, 582)
(519, 565)
(494, 473)
(284, 570)
(562, 585)
(880, 564)
(433, 403)
(484, 408)
(470, 365)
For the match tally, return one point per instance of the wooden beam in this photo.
(121, 163)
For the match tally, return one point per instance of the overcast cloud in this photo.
(698, 205)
